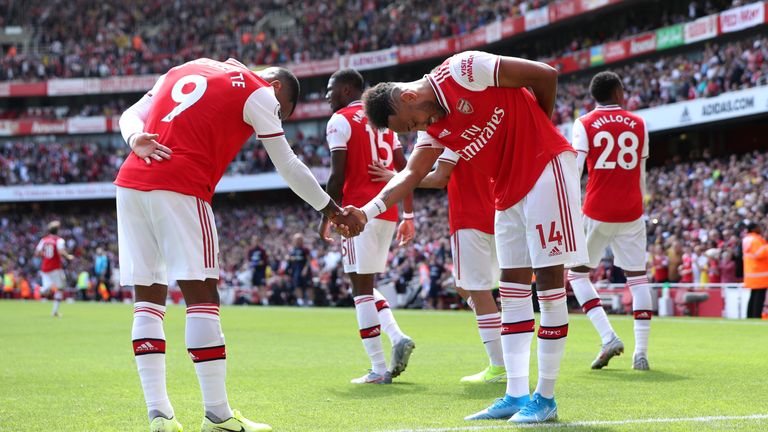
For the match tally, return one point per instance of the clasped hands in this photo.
(348, 222)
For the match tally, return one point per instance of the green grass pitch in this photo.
(291, 368)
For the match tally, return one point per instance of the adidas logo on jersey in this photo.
(444, 133)
(555, 252)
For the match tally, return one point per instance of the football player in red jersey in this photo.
(354, 145)
(494, 112)
(475, 266)
(614, 143)
(51, 248)
(183, 134)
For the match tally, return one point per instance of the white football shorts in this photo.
(627, 241)
(367, 253)
(545, 228)
(55, 278)
(475, 267)
(164, 235)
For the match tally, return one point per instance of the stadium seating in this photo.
(703, 219)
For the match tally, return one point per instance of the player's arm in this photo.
(436, 179)
(337, 134)
(61, 246)
(540, 77)
(490, 70)
(643, 159)
(402, 184)
(580, 144)
(143, 144)
(407, 230)
(439, 177)
(260, 111)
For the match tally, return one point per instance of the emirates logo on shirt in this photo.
(464, 107)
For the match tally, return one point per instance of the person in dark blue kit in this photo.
(258, 260)
(298, 268)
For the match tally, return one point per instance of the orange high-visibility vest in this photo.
(755, 250)
(26, 291)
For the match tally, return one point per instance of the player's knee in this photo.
(549, 277)
(516, 275)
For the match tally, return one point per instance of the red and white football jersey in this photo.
(470, 196)
(615, 142)
(204, 111)
(501, 132)
(348, 130)
(49, 247)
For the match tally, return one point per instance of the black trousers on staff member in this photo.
(756, 302)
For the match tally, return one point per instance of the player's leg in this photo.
(517, 321)
(369, 325)
(141, 266)
(368, 321)
(148, 339)
(190, 248)
(629, 250)
(476, 271)
(205, 344)
(598, 238)
(374, 250)
(554, 237)
(388, 322)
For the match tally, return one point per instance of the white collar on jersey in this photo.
(235, 63)
(613, 107)
(355, 103)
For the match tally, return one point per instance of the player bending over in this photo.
(478, 105)
(614, 142)
(183, 134)
(475, 266)
(355, 145)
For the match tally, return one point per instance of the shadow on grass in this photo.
(563, 426)
(373, 391)
(652, 375)
(494, 425)
(483, 391)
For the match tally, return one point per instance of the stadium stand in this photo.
(276, 32)
(699, 50)
(702, 222)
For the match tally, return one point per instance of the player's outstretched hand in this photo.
(324, 229)
(379, 173)
(145, 146)
(405, 232)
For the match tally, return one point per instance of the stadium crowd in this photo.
(115, 38)
(85, 38)
(239, 225)
(716, 69)
(696, 213)
(48, 160)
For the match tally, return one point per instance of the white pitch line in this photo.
(588, 423)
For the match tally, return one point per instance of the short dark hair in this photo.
(287, 79)
(349, 77)
(752, 226)
(379, 104)
(603, 86)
